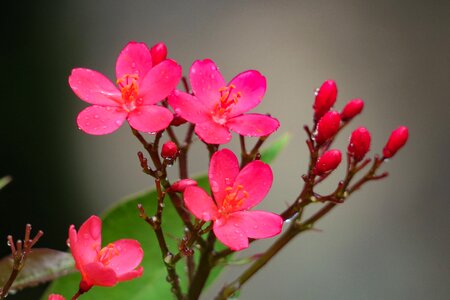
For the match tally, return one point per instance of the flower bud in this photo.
(327, 127)
(158, 53)
(325, 99)
(169, 150)
(329, 161)
(359, 143)
(181, 185)
(396, 141)
(352, 109)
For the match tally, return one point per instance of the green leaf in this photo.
(41, 265)
(122, 221)
(4, 181)
(271, 152)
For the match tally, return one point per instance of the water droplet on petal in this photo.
(96, 116)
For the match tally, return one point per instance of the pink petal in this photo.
(189, 107)
(85, 244)
(135, 59)
(253, 124)
(99, 120)
(213, 133)
(150, 118)
(223, 169)
(200, 204)
(256, 179)
(55, 297)
(257, 224)
(129, 256)
(94, 88)
(131, 275)
(252, 87)
(230, 233)
(100, 275)
(206, 81)
(160, 81)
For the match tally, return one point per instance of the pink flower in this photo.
(55, 297)
(103, 266)
(235, 192)
(140, 88)
(217, 107)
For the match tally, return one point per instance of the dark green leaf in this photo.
(271, 152)
(41, 265)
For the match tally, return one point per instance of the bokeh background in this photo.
(389, 241)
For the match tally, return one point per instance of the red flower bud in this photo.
(169, 150)
(352, 109)
(177, 120)
(396, 141)
(327, 127)
(359, 143)
(181, 185)
(159, 53)
(329, 161)
(325, 99)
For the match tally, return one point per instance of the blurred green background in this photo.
(389, 241)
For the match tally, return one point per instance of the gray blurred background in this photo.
(389, 241)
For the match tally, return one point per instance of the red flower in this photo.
(235, 192)
(359, 143)
(396, 141)
(217, 107)
(141, 86)
(103, 266)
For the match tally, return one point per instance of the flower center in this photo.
(129, 88)
(223, 107)
(233, 199)
(107, 253)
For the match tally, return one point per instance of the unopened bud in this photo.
(396, 141)
(159, 53)
(327, 127)
(177, 120)
(329, 161)
(169, 150)
(359, 143)
(352, 109)
(325, 99)
(181, 185)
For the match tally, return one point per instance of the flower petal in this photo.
(252, 87)
(213, 133)
(199, 203)
(129, 256)
(100, 275)
(150, 118)
(223, 169)
(189, 107)
(160, 81)
(256, 179)
(94, 88)
(131, 275)
(253, 124)
(206, 81)
(99, 120)
(134, 59)
(258, 224)
(85, 244)
(229, 234)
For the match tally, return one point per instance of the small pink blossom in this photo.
(217, 107)
(55, 297)
(140, 87)
(103, 266)
(235, 192)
